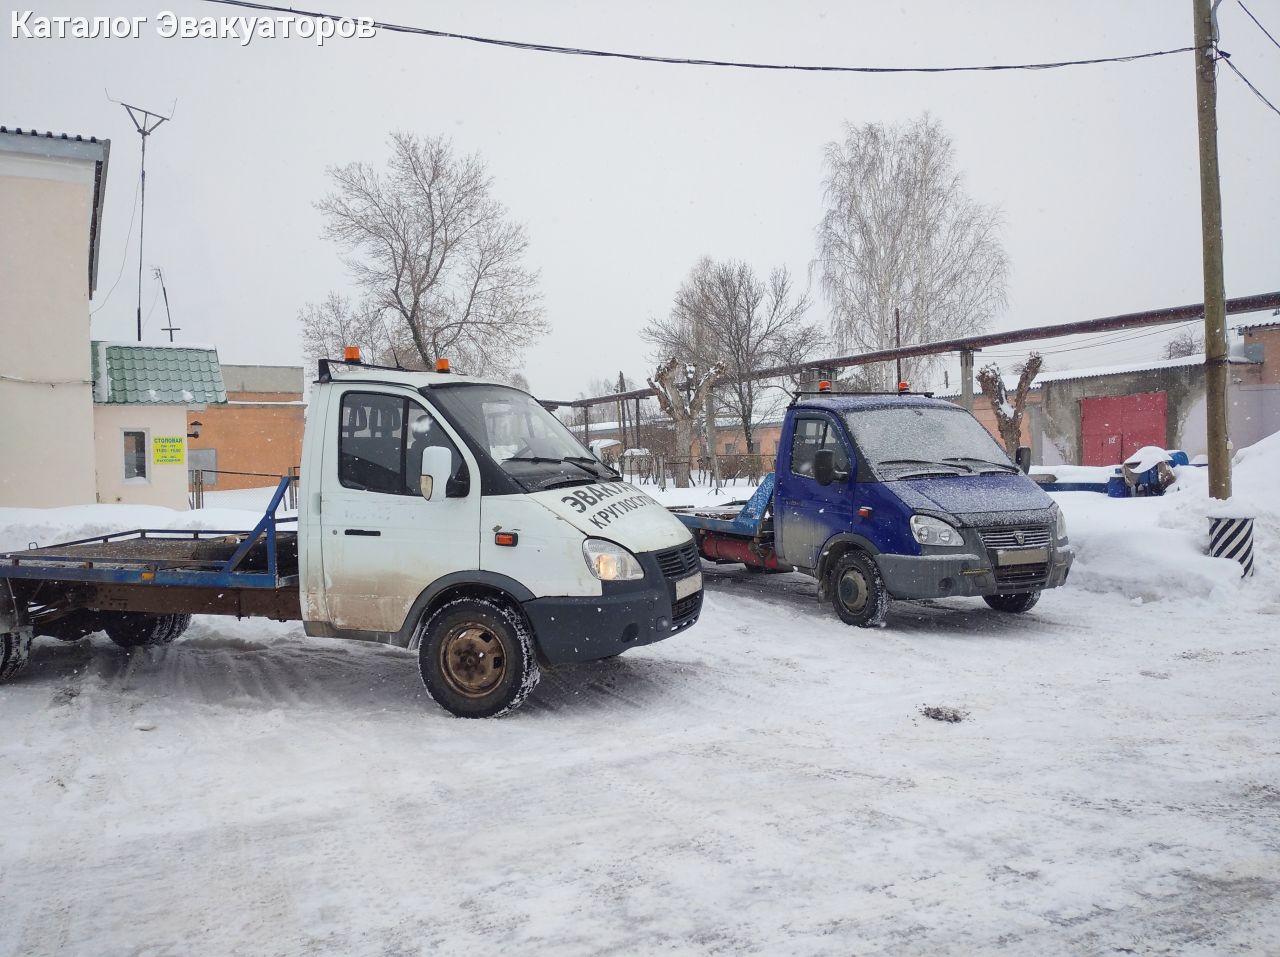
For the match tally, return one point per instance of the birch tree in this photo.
(435, 255)
(900, 231)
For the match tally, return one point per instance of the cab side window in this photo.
(813, 433)
(380, 443)
(371, 442)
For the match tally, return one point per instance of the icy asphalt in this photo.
(762, 784)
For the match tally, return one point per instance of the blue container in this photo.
(1117, 487)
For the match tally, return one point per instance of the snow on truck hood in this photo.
(976, 497)
(617, 511)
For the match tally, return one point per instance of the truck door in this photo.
(808, 513)
(382, 542)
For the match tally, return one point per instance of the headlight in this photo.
(933, 531)
(1061, 530)
(610, 562)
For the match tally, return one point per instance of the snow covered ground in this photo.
(762, 784)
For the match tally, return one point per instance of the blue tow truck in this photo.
(892, 496)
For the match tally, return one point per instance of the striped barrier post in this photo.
(1233, 538)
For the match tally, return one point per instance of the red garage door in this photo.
(1113, 427)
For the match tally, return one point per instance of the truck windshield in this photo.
(911, 441)
(524, 439)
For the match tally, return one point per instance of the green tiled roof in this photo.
(156, 375)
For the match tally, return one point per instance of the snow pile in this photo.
(1152, 549)
(20, 527)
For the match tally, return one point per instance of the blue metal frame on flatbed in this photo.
(127, 570)
(745, 524)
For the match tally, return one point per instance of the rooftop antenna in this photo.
(170, 328)
(146, 123)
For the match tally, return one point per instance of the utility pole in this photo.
(897, 344)
(1215, 331)
(170, 328)
(146, 123)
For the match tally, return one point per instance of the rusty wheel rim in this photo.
(852, 589)
(472, 660)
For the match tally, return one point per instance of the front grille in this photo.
(685, 609)
(1022, 574)
(1029, 537)
(679, 562)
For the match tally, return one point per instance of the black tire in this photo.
(136, 629)
(476, 658)
(1015, 603)
(857, 590)
(15, 652)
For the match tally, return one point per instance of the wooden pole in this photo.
(1215, 331)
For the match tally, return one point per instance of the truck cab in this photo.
(898, 496)
(458, 517)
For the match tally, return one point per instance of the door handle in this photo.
(369, 532)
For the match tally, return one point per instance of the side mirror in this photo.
(824, 467)
(1022, 458)
(437, 463)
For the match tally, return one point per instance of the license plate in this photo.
(1022, 556)
(689, 586)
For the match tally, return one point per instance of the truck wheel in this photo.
(476, 658)
(1015, 603)
(134, 629)
(857, 590)
(15, 651)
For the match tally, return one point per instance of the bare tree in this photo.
(436, 255)
(901, 232)
(336, 322)
(682, 389)
(1185, 343)
(724, 316)
(1009, 411)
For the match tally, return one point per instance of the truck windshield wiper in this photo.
(1003, 466)
(944, 464)
(576, 461)
(582, 462)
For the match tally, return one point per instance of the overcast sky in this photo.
(625, 173)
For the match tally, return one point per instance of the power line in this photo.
(1226, 58)
(1116, 340)
(1258, 22)
(128, 238)
(688, 61)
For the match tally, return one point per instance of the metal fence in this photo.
(197, 483)
(726, 470)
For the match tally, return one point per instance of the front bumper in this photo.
(627, 615)
(966, 575)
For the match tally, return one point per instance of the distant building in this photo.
(142, 396)
(51, 195)
(256, 435)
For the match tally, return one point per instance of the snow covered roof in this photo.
(64, 146)
(1095, 372)
(1258, 324)
(132, 373)
(1146, 365)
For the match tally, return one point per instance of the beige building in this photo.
(80, 421)
(51, 194)
(143, 394)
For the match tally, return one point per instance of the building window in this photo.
(730, 448)
(135, 455)
(204, 461)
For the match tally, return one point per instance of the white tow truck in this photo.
(443, 513)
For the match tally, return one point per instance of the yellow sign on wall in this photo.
(168, 449)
